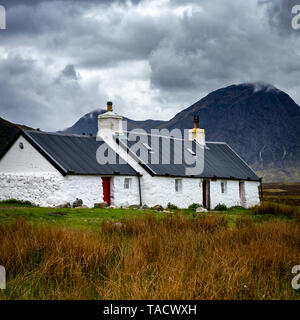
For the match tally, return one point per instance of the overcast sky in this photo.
(62, 59)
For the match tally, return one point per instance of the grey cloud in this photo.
(69, 72)
(279, 13)
(212, 48)
(29, 95)
(31, 3)
(91, 43)
(209, 45)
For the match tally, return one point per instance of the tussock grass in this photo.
(150, 258)
(277, 209)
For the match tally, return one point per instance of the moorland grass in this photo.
(173, 257)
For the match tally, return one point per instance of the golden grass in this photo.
(277, 209)
(149, 258)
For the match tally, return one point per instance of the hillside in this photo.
(260, 122)
(89, 123)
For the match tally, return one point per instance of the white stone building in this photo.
(51, 168)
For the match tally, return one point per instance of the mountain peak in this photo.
(261, 86)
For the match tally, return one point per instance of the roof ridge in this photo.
(61, 134)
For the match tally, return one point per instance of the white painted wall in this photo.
(232, 197)
(87, 188)
(252, 194)
(25, 160)
(51, 189)
(124, 197)
(42, 189)
(161, 190)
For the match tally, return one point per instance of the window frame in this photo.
(178, 185)
(127, 183)
(223, 185)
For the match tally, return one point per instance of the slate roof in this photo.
(74, 154)
(220, 161)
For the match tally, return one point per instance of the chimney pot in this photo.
(196, 121)
(109, 106)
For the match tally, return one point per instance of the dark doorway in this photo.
(242, 193)
(206, 194)
(106, 190)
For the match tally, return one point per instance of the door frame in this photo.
(206, 193)
(242, 193)
(106, 189)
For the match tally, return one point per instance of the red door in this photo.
(106, 190)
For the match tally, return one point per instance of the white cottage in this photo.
(52, 168)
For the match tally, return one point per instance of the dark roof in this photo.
(220, 161)
(74, 154)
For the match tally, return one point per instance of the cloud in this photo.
(69, 72)
(279, 14)
(61, 59)
(31, 93)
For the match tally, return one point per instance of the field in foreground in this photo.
(96, 254)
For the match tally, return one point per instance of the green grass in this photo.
(93, 217)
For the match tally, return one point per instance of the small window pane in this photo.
(223, 186)
(127, 183)
(178, 185)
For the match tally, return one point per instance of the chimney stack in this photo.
(109, 123)
(196, 133)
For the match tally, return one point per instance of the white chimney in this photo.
(109, 122)
(196, 133)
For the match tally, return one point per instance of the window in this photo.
(178, 185)
(224, 186)
(127, 183)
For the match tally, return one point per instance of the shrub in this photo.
(172, 206)
(17, 202)
(194, 206)
(220, 207)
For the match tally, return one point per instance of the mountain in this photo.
(89, 124)
(8, 130)
(259, 121)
